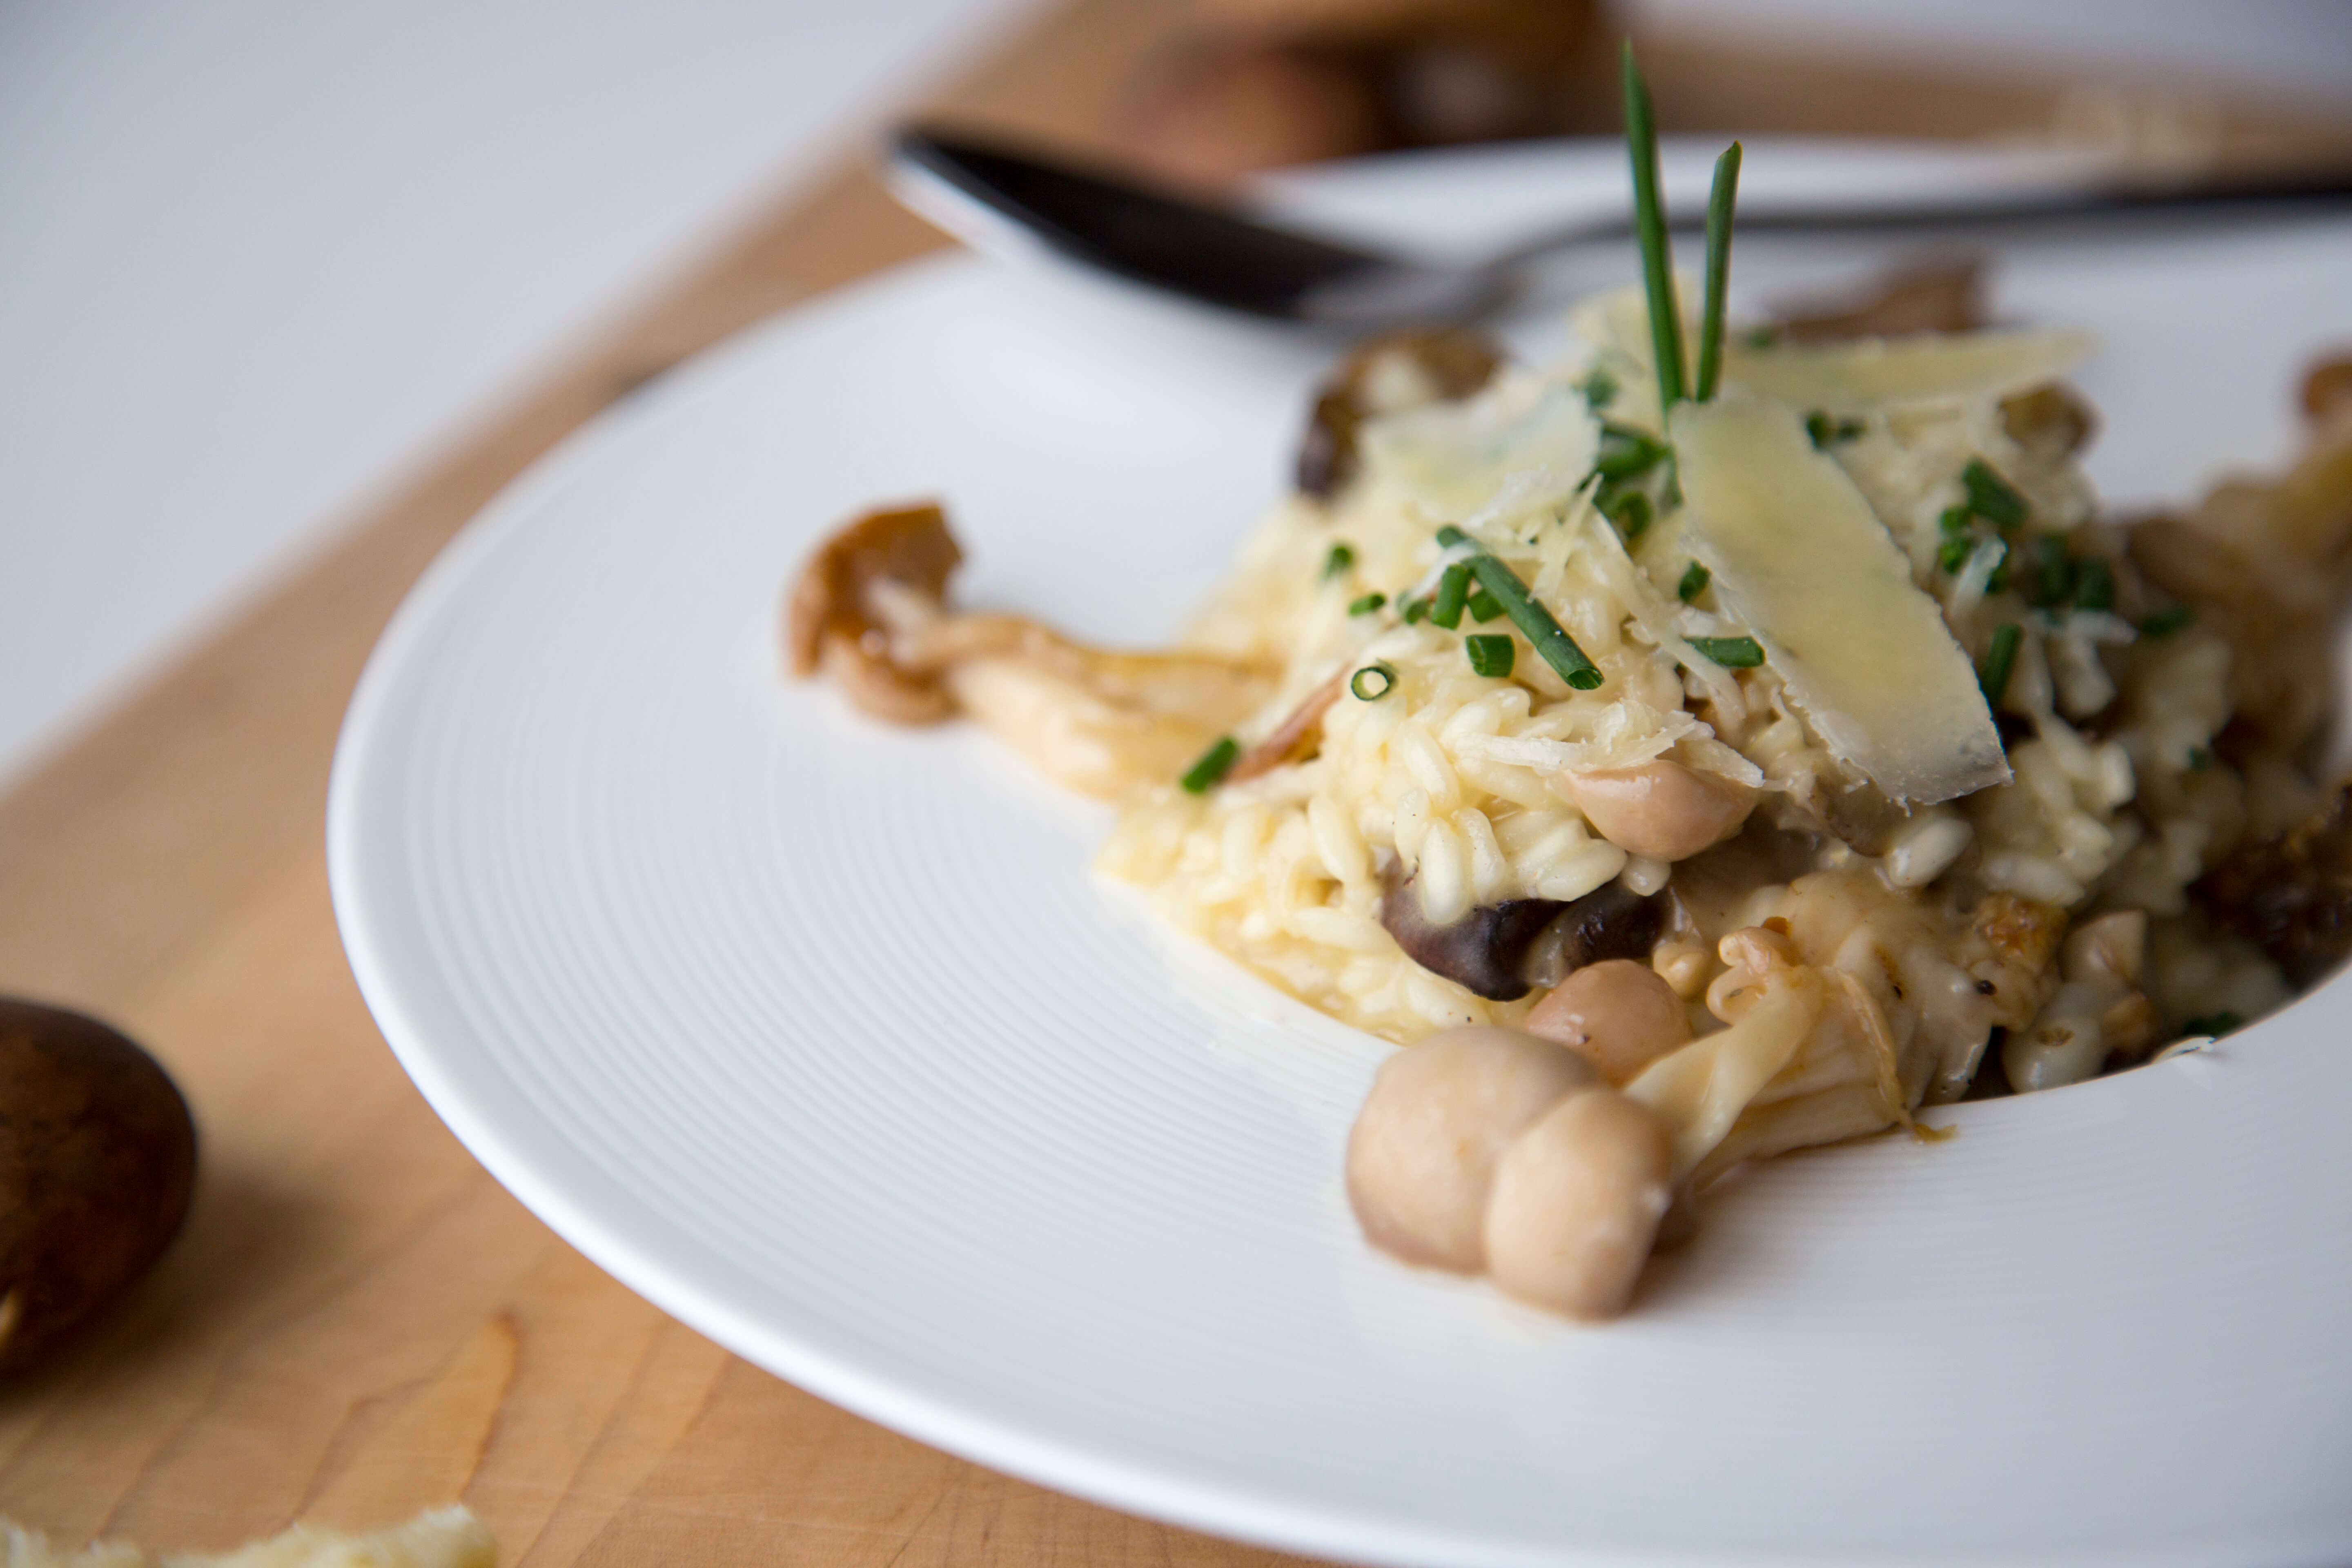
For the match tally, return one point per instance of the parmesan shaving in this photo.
(1880, 372)
(1798, 555)
(1518, 447)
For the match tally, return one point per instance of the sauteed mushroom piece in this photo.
(1393, 372)
(870, 610)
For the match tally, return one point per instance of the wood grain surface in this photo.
(358, 1323)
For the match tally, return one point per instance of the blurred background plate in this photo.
(822, 1036)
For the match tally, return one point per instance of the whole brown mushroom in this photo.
(98, 1159)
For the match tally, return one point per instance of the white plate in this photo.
(822, 1036)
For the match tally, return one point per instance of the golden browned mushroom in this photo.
(1391, 372)
(870, 612)
(831, 621)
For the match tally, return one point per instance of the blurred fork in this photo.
(1226, 255)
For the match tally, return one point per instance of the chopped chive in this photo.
(1954, 520)
(1991, 497)
(1629, 509)
(1213, 765)
(2052, 581)
(1998, 578)
(1953, 554)
(1732, 653)
(1693, 583)
(1484, 607)
(1825, 432)
(2095, 583)
(1626, 454)
(1761, 337)
(1491, 653)
(1600, 388)
(1452, 593)
(1342, 556)
(1366, 604)
(1720, 201)
(2166, 621)
(1372, 683)
(1536, 623)
(1415, 611)
(1650, 224)
(2000, 658)
(2199, 759)
(2214, 1023)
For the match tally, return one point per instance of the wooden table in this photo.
(358, 1323)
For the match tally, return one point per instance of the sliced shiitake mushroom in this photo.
(1392, 372)
(1502, 950)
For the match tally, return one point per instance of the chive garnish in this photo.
(1366, 604)
(1724, 192)
(1535, 623)
(1491, 653)
(2052, 579)
(1761, 337)
(1693, 583)
(2214, 1023)
(1953, 554)
(1824, 432)
(1372, 683)
(1954, 520)
(1452, 593)
(1991, 497)
(1650, 224)
(2167, 621)
(1625, 454)
(2000, 658)
(2095, 583)
(1483, 606)
(1732, 653)
(1415, 611)
(1629, 509)
(1600, 388)
(1342, 556)
(1215, 763)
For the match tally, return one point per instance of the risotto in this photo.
(1688, 779)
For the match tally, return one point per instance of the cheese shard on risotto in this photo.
(1930, 367)
(1797, 554)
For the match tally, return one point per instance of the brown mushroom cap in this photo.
(97, 1158)
(830, 622)
(1453, 362)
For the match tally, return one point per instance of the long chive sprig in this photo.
(1719, 202)
(1650, 225)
